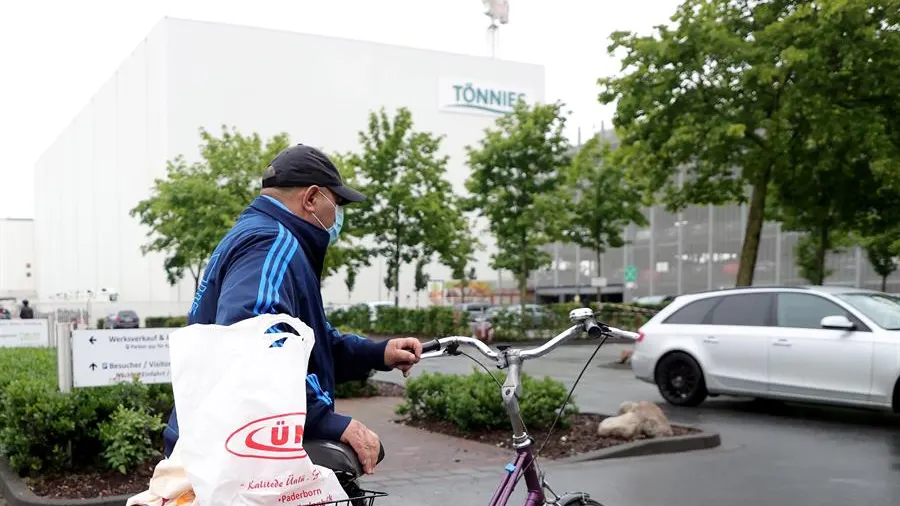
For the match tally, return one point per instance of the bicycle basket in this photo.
(361, 498)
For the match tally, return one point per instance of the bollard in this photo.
(64, 356)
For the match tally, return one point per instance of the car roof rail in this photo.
(752, 287)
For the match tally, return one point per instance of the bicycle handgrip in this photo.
(593, 329)
(433, 345)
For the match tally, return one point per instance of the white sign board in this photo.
(24, 334)
(474, 96)
(107, 357)
(598, 282)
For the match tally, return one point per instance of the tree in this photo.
(465, 277)
(720, 95)
(810, 252)
(190, 210)
(421, 278)
(348, 252)
(515, 174)
(598, 200)
(843, 129)
(350, 282)
(411, 212)
(883, 251)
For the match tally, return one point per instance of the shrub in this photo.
(354, 389)
(165, 322)
(43, 430)
(127, 438)
(473, 402)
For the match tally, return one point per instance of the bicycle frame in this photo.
(525, 460)
(512, 359)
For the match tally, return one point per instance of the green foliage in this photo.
(810, 252)
(599, 200)
(438, 321)
(740, 94)
(43, 430)
(421, 279)
(127, 438)
(515, 172)
(883, 251)
(355, 389)
(411, 212)
(191, 209)
(165, 322)
(434, 321)
(473, 402)
(348, 252)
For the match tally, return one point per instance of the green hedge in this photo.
(508, 326)
(441, 321)
(473, 403)
(43, 430)
(165, 322)
(435, 321)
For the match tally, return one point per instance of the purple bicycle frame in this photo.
(524, 464)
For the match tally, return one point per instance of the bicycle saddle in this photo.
(339, 457)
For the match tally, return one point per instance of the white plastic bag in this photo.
(241, 410)
(169, 485)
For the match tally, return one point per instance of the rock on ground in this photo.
(636, 419)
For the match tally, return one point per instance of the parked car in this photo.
(653, 300)
(473, 309)
(832, 345)
(124, 319)
(535, 311)
(373, 307)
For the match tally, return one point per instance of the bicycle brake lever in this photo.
(453, 349)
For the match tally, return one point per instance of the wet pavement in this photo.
(772, 454)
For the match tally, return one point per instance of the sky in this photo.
(55, 54)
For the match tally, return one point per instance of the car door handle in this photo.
(711, 340)
(782, 342)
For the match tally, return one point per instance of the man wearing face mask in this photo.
(271, 262)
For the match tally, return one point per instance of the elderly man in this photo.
(271, 262)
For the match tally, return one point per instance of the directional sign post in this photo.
(24, 333)
(107, 357)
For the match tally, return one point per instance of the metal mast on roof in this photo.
(498, 12)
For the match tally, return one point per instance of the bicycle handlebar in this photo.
(440, 347)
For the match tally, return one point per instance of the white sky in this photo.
(55, 54)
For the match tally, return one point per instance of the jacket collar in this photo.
(312, 239)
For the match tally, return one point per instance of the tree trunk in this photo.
(197, 276)
(396, 273)
(821, 251)
(599, 288)
(523, 281)
(884, 283)
(755, 218)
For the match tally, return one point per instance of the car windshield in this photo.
(883, 309)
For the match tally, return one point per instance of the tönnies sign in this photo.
(480, 97)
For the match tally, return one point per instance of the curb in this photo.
(17, 493)
(677, 444)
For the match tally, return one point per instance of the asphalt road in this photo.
(772, 454)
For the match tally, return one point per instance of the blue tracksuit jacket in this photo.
(271, 262)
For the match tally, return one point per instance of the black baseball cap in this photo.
(302, 165)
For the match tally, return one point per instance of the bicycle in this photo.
(342, 459)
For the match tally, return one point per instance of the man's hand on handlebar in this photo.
(403, 353)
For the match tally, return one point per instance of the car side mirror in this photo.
(837, 323)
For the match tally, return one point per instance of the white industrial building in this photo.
(188, 74)
(17, 274)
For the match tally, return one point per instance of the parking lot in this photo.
(773, 454)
